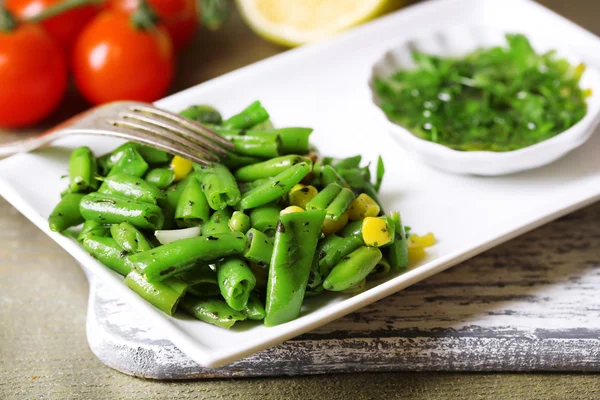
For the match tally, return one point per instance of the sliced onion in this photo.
(169, 236)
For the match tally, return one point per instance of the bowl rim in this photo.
(571, 137)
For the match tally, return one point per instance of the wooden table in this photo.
(43, 294)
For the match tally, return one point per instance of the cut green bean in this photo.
(397, 252)
(245, 187)
(212, 311)
(236, 281)
(340, 204)
(104, 164)
(83, 170)
(219, 186)
(108, 252)
(254, 310)
(352, 269)
(164, 295)
(111, 209)
(347, 163)
(280, 185)
(217, 223)
(234, 160)
(265, 217)
(329, 176)
(204, 114)
(247, 118)
(129, 238)
(153, 156)
(131, 187)
(176, 257)
(130, 162)
(66, 213)
(269, 168)
(291, 140)
(294, 248)
(256, 146)
(192, 208)
(162, 178)
(356, 179)
(239, 222)
(324, 197)
(332, 249)
(259, 247)
(92, 228)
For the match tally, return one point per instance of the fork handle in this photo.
(32, 143)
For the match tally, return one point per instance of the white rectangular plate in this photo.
(324, 86)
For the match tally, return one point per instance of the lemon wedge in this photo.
(297, 22)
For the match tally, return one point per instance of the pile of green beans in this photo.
(273, 222)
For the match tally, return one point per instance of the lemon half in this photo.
(297, 22)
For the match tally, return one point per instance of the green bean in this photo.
(213, 311)
(265, 125)
(295, 245)
(332, 249)
(346, 163)
(254, 310)
(256, 146)
(356, 179)
(162, 178)
(92, 228)
(259, 247)
(265, 217)
(173, 194)
(239, 222)
(291, 140)
(324, 197)
(236, 281)
(164, 295)
(204, 114)
(234, 160)
(153, 156)
(192, 207)
(129, 238)
(353, 228)
(329, 175)
(219, 186)
(82, 171)
(269, 168)
(217, 223)
(131, 187)
(104, 164)
(382, 268)
(66, 213)
(130, 162)
(352, 269)
(176, 257)
(397, 252)
(250, 116)
(248, 186)
(108, 252)
(281, 184)
(340, 204)
(112, 209)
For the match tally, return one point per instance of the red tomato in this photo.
(33, 76)
(112, 60)
(64, 28)
(178, 17)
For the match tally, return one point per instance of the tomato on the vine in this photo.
(178, 17)
(117, 58)
(64, 27)
(33, 73)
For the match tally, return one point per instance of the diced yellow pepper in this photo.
(330, 226)
(427, 240)
(416, 252)
(363, 206)
(290, 209)
(588, 92)
(302, 194)
(375, 232)
(181, 167)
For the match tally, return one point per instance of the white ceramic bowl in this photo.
(460, 40)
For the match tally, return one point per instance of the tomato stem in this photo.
(62, 7)
(8, 23)
(144, 17)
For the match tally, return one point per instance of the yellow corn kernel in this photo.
(291, 209)
(427, 240)
(330, 226)
(181, 167)
(363, 206)
(302, 194)
(375, 232)
(588, 92)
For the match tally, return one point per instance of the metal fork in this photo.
(137, 122)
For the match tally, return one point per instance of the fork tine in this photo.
(185, 122)
(156, 138)
(176, 129)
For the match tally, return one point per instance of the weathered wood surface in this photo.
(529, 305)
